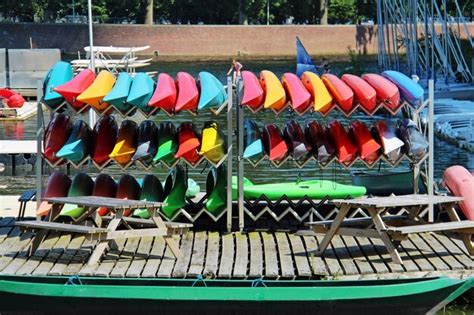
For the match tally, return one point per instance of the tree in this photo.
(342, 11)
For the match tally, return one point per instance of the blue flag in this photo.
(303, 59)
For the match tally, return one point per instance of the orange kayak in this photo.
(275, 96)
(341, 93)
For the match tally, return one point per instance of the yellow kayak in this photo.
(275, 96)
(212, 143)
(101, 86)
(322, 99)
(126, 143)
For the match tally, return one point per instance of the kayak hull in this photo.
(73, 88)
(105, 136)
(212, 143)
(341, 93)
(147, 142)
(57, 186)
(300, 98)
(387, 92)
(385, 136)
(295, 139)
(165, 94)
(320, 96)
(82, 185)
(275, 95)
(104, 186)
(141, 91)
(274, 144)
(167, 143)
(461, 183)
(411, 91)
(128, 188)
(56, 135)
(321, 146)
(58, 75)
(79, 144)
(364, 94)
(253, 94)
(346, 150)
(119, 93)
(216, 190)
(175, 189)
(188, 93)
(369, 149)
(152, 190)
(416, 146)
(94, 94)
(189, 143)
(252, 141)
(212, 93)
(126, 144)
(385, 184)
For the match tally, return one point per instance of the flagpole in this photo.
(92, 115)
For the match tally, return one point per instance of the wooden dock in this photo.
(272, 255)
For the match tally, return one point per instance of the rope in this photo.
(199, 279)
(72, 280)
(257, 282)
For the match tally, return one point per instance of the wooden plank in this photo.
(330, 258)
(140, 258)
(270, 254)
(76, 266)
(299, 254)
(344, 256)
(456, 239)
(110, 203)
(48, 262)
(285, 255)
(125, 258)
(256, 255)
(197, 260)
(154, 260)
(5, 228)
(433, 227)
(356, 253)
(67, 256)
(433, 258)
(105, 267)
(17, 247)
(241, 256)
(417, 256)
(167, 263)
(227, 257)
(13, 238)
(182, 264)
(212, 255)
(383, 252)
(442, 252)
(396, 201)
(63, 227)
(316, 263)
(455, 251)
(372, 255)
(408, 263)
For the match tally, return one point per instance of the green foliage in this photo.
(342, 11)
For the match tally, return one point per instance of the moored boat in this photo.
(11, 98)
(94, 94)
(387, 92)
(252, 141)
(152, 190)
(416, 145)
(57, 186)
(385, 136)
(119, 93)
(212, 92)
(460, 183)
(74, 87)
(188, 143)
(126, 143)
(59, 74)
(212, 142)
(105, 135)
(128, 188)
(322, 148)
(167, 142)
(56, 134)
(346, 150)
(141, 91)
(147, 142)
(165, 94)
(82, 185)
(274, 144)
(216, 190)
(79, 143)
(300, 98)
(411, 91)
(387, 183)
(364, 94)
(253, 94)
(175, 189)
(295, 139)
(341, 93)
(322, 99)
(275, 95)
(188, 93)
(369, 149)
(104, 186)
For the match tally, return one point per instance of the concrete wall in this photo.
(197, 41)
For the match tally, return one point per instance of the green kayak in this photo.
(314, 189)
(175, 191)
(81, 185)
(152, 190)
(216, 190)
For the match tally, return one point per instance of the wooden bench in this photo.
(460, 227)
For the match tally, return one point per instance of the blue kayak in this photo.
(411, 91)
(252, 141)
(141, 91)
(119, 93)
(59, 74)
(212, 91)
(79, 143)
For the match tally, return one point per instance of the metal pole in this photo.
(92, 115)
(39, 146)
(268, 12)
(230, 133)
(240, 169)
(73, 12)
(431, 146)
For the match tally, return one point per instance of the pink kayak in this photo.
(461, 184)
(364, 94)
(253, 95)
(387, 92)
(73, 88)
(165, 93)
(299, 96)
(188, 93)
(341, 93)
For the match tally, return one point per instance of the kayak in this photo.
(79, 144)
(141, 91)
(104, 186)
(126, 143)
(369, 149)
(105, 135)
(313, 189)
(188, 94)
(128, 188)
(322, 99)
(274, 144)
(385, 184)
(295, 139)
(364, 94)
(59, 74)
(212, 143)
(252, 141)
(55, 136)
(212, 91)
(416, 145)
(57, 186)
(300, 98)
(165, 94)
(167, 143)
(391, 145)
(82, 185)
(253, 94)
(341, 93)
(188, 143)
(119, 93)
(460, 183)
(147, 142)
(387, 92)
(74, 87)
(94, 94)
(216, 190)
(175, 191)
(411, 91)
(346, 150)
(152, 190)
(275, 96)
(317, 137)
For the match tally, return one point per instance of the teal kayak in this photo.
(212, 91)
(141, 91)
(314, 189)
(59, 74)
(119, 93)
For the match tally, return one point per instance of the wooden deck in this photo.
(236, 255)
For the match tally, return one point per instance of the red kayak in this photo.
(188, 143)
(340, 92)
(461, 183)
(253, 95)
(274, 144)
(11, 98)
(295, 140)
(105, 135)
(128, 188)
(166, 93)
(369, 149)
(346, 150)
(73, 88)
(299, 96)
(364, 94)
(104, 186)
(322, 147)
(188, 93)
(57, 186)
(56, 134)
(387, 92)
